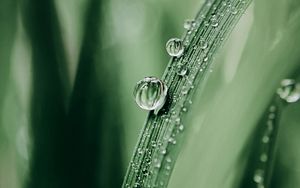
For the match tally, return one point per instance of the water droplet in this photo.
(189, 24)
(181, 70)
(272, 108)
(153, 143)
(168, 159)
(203, 44)
(205, 58)
(175, 47)
(177, 121)
(163, 151)
(265, 139)
(263, 157)
(214, 21)
(184, 109)
(258, 176)
(172, 140)
(289, 90)
(233, 10)
(140, 151)
(184, 90)
(157, 163)
(181, 127)
(150, 93)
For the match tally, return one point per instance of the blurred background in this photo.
(67, 72)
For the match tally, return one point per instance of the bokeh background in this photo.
(67, 72)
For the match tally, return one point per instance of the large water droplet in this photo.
(150, 93)
(289, 90)
(189, 24)
(175, 47)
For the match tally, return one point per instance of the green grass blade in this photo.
(159, 144)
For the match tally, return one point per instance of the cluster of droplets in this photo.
(289, 91)
(260, 172)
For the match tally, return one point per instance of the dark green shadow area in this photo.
(94, 115)
(49, 94)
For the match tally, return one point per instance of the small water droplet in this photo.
(264, 157)
(150, 93)
(168, 159)
(265, 139)
(181, 127)
(272, 108)
(289, 90)
(177, 120)
(205, 58)
(203, 44)
(163, 151)
(175, 47)
(233, 10)
(157, 163)
(189, 24)
(258, 176)
(181, 70)
(153, 143)
(172, 140)
(214, 21)
(140, 151)
(184, 109)
(184, 90)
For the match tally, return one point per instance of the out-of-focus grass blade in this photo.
(8, 15)
(94, 117)
(50, 88)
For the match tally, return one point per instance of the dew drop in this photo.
(233, 10)
(175, 47)
(150, 93)
(265, 139)
(181, 70)
(163, 151)
(289, 90)
(263, 157)
(168, 159)
(181, 127)
(189, 24)
(258, 176)
(203, 44)
(184, 90)
(214, 21)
